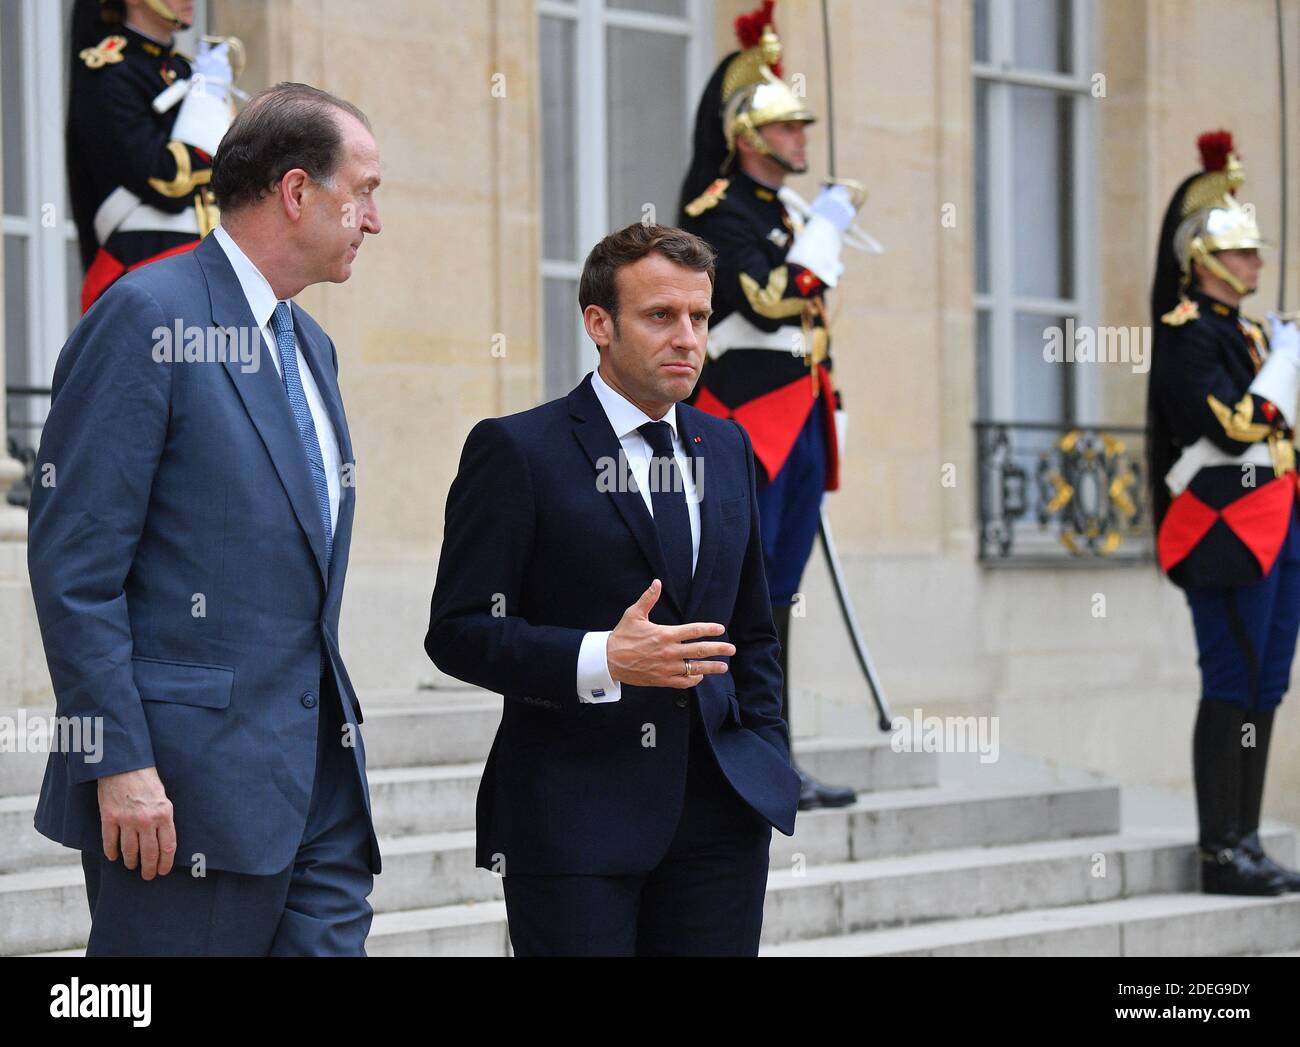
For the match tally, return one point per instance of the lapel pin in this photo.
(699, 439)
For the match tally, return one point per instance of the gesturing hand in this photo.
(136, 818)
(647, 655)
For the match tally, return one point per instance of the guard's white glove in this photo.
(1284, 337)
(212, 73)
(835, 204)
(205, 114)
(1278, 380)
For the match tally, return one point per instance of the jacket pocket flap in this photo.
(183, 683)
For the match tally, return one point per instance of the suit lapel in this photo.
(317, 355)
(602, 447)
(264, 398)
(707, 492)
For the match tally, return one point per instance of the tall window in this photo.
(620, 82)
(42, 269)
(1034, 156)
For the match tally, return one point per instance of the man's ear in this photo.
(599, 325)
(292, 188)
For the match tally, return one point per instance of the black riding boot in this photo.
(1254, 765)
(812, 793)
(1217, 767)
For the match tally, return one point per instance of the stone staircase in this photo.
(972, 865)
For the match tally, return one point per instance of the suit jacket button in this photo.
(682, 701)
(309, 700)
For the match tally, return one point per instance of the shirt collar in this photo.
(625, 416)
(256, 288)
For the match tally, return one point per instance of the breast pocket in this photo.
(183, 683)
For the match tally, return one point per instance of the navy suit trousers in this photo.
(316, 906)
(705, 898)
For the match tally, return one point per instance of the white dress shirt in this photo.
(594, 681)
(262, 303)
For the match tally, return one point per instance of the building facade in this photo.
(1019, 155)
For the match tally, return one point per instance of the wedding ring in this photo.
(688, 666)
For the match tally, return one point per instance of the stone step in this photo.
(403, 731)
(441, 797)
(433, 869)
(429, 870)
(45, 909)
(828, 900)
(1148, 925)
(1145, 864)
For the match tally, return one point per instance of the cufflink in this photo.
(599, 692)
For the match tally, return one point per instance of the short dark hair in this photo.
(284, 127)
(598, 285)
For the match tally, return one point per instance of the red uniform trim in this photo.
(773, 422)
(105, 270)
(1259, 519)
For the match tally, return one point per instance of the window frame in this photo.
(591, 197)
(1001, 75)
(44, 102)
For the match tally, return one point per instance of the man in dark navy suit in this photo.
(602, 569)
(187, 558)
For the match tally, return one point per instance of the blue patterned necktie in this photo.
(282, 322)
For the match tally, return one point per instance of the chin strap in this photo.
(751, 135)
(1213, 265)
(163, 10)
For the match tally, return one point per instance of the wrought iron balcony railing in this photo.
(25, 411)
(1052, 494)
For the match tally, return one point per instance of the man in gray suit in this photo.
(188, 543)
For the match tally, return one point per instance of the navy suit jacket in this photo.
(177, 561)
(538, 551)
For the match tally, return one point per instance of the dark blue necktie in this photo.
(668, 498)
(282, 322)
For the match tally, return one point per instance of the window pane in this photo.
(559, 138)
(560, 302)
(982, 174)
(984, 361)
(11, 112)
(16, 306)
(646, 85)
(657, 7)
(1042, 166)
(1043, 31)
(1041, 385)
(982, 31)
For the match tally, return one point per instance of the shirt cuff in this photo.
(595, 685)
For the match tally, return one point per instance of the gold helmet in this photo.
(753, 93)
(1212, 219)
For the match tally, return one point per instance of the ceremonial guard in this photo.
(1221, 413)
(143, 125)
(769, 365)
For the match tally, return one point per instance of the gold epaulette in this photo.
(709, 198)
(1184, 312)
(107, 52)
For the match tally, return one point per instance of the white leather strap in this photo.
(737, 332)
(122, 212)
(1203, 454)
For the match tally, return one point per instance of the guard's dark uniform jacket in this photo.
(119, 145)
(1231, 448)
(769, 365)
